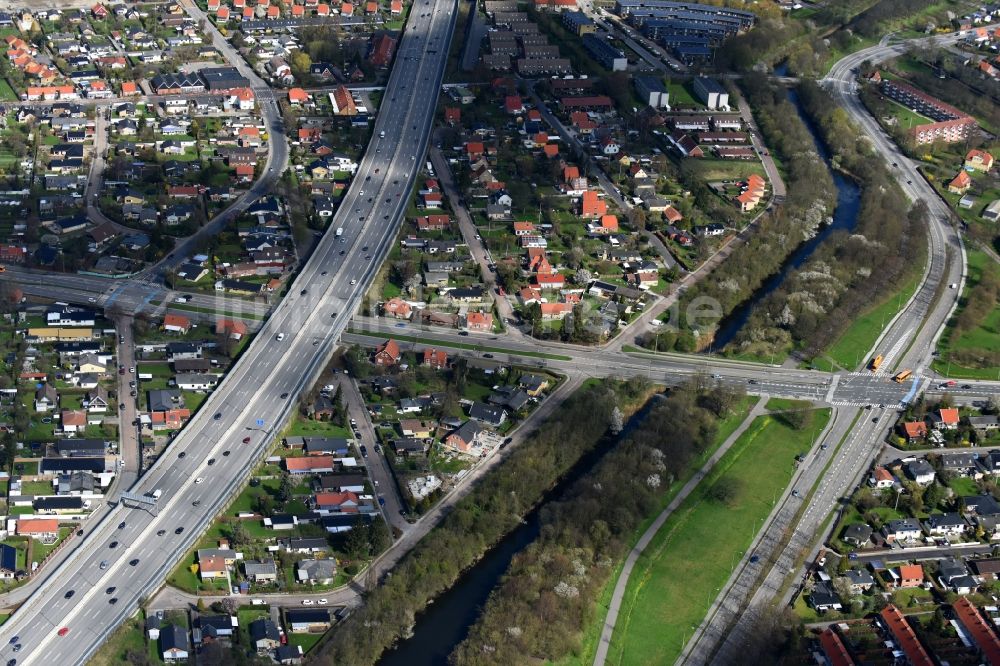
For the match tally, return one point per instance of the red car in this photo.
(63, 631)
(246, 440)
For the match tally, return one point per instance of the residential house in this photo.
(914, 431)
(387, 354)
(902, 530)
(860, 580)
(961, 183)
(316, 572)
(435, 358)
(978, 160)
(946, 524)
(174, 323)
(823, 598)
(919, 471)
(857, 534)
(173, 642)
(464, 437)
(944, 419)
(911, 575)
(263, 571)
(307, 620)
(489, 414)
(265, 635)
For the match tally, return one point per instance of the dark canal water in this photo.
(446, 623)
(845, 216)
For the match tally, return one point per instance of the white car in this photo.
(280, 337)
(353, 282)
(307, 602)
(322, 602)
(199, 479)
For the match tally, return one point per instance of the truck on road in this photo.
(875, 362)
(902, 376)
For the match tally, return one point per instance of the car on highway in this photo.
(364, 451)
(196, 503)
(279, 337)
(322, 602)
(110, 590)
(63, 631)
(113, 544)
(307, 602)
(463, 333)
(69, 594)
(160, 532)
(966, 386)
(218, 415)
(131, 371)
(199, 479)
(134, 562)
(754, 559)
(14, 639)
(283, 396)
(179, 530)
(211, 461)
(121, 525)
(795, 493)
(181, 454)
(353, 282)
(113, 600)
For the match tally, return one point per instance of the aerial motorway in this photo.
(131, 551)
(121, 560)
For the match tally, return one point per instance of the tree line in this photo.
(550, 589)
(848, 271)
(494, 507)
(808, 201)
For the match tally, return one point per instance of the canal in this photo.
(445, 623)
(845, 216)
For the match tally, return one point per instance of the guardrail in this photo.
(308, 378)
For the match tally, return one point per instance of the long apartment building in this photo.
(950, 124)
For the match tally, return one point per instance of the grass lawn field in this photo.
(128, 638)
(692, 556)
(307, 641)
(782, 404)
(7, 93)
(849, 350)
(592, 631)
(985, 336)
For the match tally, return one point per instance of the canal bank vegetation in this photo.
(494, 507)
(778, 233)
(849, 273)
(549, 592)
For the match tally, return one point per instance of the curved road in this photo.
(262, 386)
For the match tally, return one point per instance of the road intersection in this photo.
(326, 291)
(313, 319)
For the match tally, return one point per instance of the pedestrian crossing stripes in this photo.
(865, 403)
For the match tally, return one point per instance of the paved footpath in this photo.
(616, 597)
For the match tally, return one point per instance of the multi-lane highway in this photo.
(853, 440)
(282, 361)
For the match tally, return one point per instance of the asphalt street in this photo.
(908, 342)
(257, 396)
